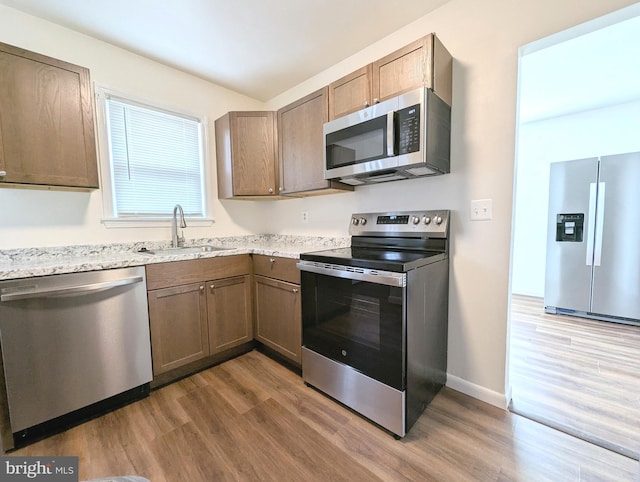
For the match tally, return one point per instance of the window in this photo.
(154, 159)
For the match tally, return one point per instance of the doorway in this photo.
(578, 97)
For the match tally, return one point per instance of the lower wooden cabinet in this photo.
(196, 319)
(179, 328)
(278, 315)
(229, 313)
(202, 308)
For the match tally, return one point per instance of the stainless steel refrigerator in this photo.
(593, 241)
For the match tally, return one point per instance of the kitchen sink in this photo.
(207, 248)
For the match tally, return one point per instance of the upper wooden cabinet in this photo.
(350, 93)
(248, 167)
(425, 62)
(246, 154)
(300, 147)
(46, 122)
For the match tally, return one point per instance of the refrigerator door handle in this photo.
(591, 222)
(597, 255)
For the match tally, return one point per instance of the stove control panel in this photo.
(402, 224)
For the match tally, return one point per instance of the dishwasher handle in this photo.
(34, 292)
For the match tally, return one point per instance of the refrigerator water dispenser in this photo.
(569, 227)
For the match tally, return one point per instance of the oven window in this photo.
(362, 142)
(358, 323)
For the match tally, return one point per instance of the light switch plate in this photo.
(481, 209)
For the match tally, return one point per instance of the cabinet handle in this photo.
(3, 173)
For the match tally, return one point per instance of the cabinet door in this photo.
(401, 71)
(230, 314)
(178, 322)
(350, 93)
(278, 316)
(246, 154)
(46, 121)
(300, 143)
(301, 147)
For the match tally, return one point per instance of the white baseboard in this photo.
(476, 391)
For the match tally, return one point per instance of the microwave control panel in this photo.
(408, 122)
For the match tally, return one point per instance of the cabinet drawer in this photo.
(275, 267)
(175, 273)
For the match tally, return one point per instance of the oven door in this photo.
(356, 317)
(361, 142)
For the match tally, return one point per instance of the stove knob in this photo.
(363, 221)
(426, 220)
(355, 221)
(415, 219)
(438, 220)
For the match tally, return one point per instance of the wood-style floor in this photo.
(253, 419)
(577, 374)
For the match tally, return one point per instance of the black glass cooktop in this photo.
(374, 258)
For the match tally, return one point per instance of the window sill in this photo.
(152, 223)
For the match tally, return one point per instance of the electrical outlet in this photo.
(305, 216)
(481, 209)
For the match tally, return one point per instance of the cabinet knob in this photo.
(376, 101)
(272, 260)
(366, 104)
(201, 287)
(3, 173)
(212, 286)
(270, 190)
(295, 290)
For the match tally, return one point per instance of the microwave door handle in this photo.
(390, 134)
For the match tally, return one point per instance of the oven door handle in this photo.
(388, 278)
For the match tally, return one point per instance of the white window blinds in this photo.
(156, 161)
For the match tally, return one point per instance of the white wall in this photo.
(483, 37)
(599, 132)
(53, 218)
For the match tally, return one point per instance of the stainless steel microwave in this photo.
(404, 137)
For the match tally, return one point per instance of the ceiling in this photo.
(260, 48)
(589, 71)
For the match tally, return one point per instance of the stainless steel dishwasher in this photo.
(73, 346)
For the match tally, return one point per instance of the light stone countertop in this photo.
(30, 262)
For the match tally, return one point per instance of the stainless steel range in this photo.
(374, 316)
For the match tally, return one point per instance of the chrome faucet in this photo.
(177, 241)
